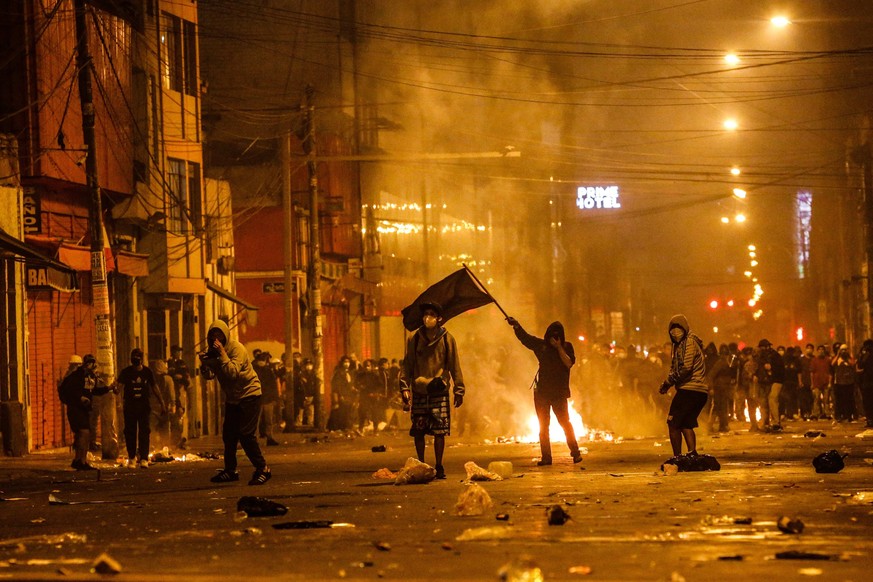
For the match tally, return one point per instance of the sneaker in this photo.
(144, 464)
(577, 458)
(261, 476)
(440, 472)
(225, 476)
(544, 462)
(131, 463)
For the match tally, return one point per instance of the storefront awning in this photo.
(42, 271)
(229, 296)
(132, 264)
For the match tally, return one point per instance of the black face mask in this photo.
(136, 361)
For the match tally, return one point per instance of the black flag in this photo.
(457, 293)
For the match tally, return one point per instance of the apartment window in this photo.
(195, 199)
(179, 54)
(177, 196)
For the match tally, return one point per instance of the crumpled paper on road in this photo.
(477, 473)
(414, 472)
(473, 500)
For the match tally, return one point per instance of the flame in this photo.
(556, 433)
(757, 413)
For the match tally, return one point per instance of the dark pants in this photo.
(544, 405)
(241, 427)
(844, 401)
(720, 401)
(867, 397)
(136, 428)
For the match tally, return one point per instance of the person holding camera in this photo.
(431, 371)
(844, 375)
(555, 356)
(227, 361)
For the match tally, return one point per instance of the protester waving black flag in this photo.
(457, 293)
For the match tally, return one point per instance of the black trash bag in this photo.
(693, 462)
(829, 462)
(260, 507)
(557, 515)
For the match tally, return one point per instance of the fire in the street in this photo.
(556, 433)
(757, 413)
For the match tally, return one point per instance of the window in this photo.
(179, 54)
(177, 196)
(195, 198)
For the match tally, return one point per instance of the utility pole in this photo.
(99, 284)
(867, 164)
(309, 147)
(288, 249)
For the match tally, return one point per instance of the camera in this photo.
(209, 354)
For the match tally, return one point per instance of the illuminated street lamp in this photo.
(725, 220)
(732, 59)
(740, 217)
(731, 124)
(735, 171)
(752, 247)
(740, 193)
(780, 21)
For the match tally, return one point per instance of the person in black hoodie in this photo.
(76, 391)
(555, 356)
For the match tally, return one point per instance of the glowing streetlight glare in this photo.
(732, 59)
(752, 248)
(715, 329)
(780, 21)
(713, 304)
(752, 302)
(753, 263)
(753, 254)
(735, 171)
(747, 273)
(730, 303)
(740, 193)
(731, 124)
(740, 218)
(725, 220)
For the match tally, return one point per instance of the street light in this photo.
(732, 59)
(780, 21)
(740, 193)
(735, 171)
(731, 124)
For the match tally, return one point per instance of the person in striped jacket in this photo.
(688, 376)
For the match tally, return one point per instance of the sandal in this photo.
(261, 476)
(225, 476)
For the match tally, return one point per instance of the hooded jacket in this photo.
(553, 377)
(687, 368)
(234, 371)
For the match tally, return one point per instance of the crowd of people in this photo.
(759, 386)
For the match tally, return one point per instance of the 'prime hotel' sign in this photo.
(596, 197)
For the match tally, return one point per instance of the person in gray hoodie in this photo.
(688, 376)
(552, 385)
(227, 361)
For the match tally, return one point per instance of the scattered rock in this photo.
(105, 564)
(379, 449)
(382, 546)
(557, 515)
(812, 434)
(789, 526)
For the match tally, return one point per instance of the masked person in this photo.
(430, 375)
(552, 385)
(688, 376)
(139, 387)
(844, 374)
(227, 361)
(76, 391)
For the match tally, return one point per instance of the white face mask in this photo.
(676, 333)
(430, 321)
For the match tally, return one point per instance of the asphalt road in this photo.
(628, 521)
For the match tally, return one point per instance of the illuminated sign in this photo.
(594, 197)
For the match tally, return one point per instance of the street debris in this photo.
(861, 498)
(502, 517)
(692, 462)
(384, 473)
(382, 546)
(250, 531)
(522, 569)
(415, 472)
(53, 540)
(867, 434)
(55, 500)
(260, 507)
(732, 558)
(105, 564)
(477, 473)
(789, 526)
(810, 571)
(812, 434)
(485, 533)
(800, 555)
(726, 520)
(580, 570)
(378, 449)
(311, 524)
(669, 469)
(473, 500)
(161, 457)
(557, 515)
(829, 462)
(502, 468)
(14, 498)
